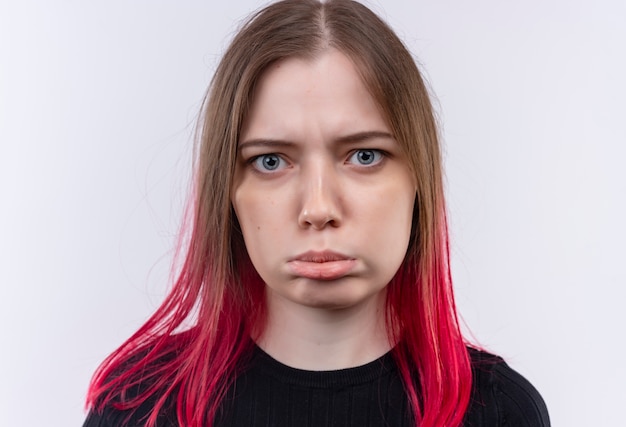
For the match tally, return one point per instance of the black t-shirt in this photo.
(269, 393)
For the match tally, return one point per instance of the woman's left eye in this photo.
(366, 157)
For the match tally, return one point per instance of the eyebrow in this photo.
(351, 138)
(364, 136)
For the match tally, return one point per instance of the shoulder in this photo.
(146, 379)
(501, 396)
(118, 413)
(110, 416)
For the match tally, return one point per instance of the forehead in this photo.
(329, 66)
(326, 91)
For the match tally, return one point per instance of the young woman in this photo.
(317, 273)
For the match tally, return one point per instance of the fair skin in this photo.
(324, 197)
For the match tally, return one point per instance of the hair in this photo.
(218, 287)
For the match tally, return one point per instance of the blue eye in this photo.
(366, 157)
(268, 162)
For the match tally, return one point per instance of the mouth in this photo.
(324, 265)
(321, 257)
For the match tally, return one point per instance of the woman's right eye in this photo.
(268, 162)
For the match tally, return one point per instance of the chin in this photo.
(330, 305)
(335, 297)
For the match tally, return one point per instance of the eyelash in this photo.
(379, 156)
(257, 162)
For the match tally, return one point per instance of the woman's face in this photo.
(322, 191)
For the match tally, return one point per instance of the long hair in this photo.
(217, 285)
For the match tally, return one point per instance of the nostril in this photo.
(318, 219)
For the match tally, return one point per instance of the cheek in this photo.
(245, 204)
(260, 222)
(390, 222)
(256, 210)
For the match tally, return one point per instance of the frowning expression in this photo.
(322, 192)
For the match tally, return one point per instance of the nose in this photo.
(321, 199)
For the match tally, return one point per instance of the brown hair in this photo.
(217, 277)
(304, 28)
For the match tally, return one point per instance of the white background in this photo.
(97, 104)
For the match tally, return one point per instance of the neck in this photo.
(320, 339)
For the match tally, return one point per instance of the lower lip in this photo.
(330, 270)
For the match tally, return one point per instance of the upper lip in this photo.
(321, 256)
